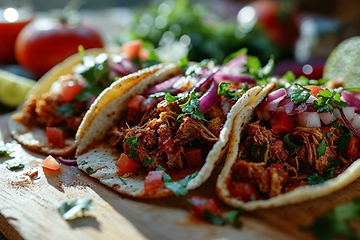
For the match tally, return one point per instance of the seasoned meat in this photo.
(269, 180)
(28, 115)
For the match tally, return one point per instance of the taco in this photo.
(295, 145)
(48, 120)
(165, 135)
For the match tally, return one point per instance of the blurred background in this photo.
(299, 34)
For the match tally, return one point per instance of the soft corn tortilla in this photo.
(98, 160)
(35, 138)
(300, 194)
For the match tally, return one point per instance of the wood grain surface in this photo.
(28, 208)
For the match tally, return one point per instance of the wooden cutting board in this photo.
(28, 208)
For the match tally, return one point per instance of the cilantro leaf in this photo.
(336, 223)
(214, 219)
(14, 166)
(75, 208)
(192, 107)
(299, 94)
(320, 150)
(326, 99)
(132, 141)
(224, 89)
(315, 178)
(66, 109)
(289, 143)
(233, 217)
(5, 151)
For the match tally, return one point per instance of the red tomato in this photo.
(43, 43)
(314, 90)
(245, 191)
(50, 163)
(193, 156)
(125, 165)
(165, 140)
(70, 88)
(55, 136)
(353, 149)
(132, 49)
(199, 204)
(153, 181)
(281, 123)
(135, 103)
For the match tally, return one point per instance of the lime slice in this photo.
(13, 88)
(344, 63)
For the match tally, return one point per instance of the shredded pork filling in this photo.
(272, 168)
(162, 138)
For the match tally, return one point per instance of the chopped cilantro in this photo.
(75, 208)
(224, 89)
(321, 149)
(14, 166)
(177, 187)
(147, 161)
(66, 109)
(213, 218)
(315, 178)
(5, 151)
(327, 99)
(192, 107)
(123, 181)
(89, 170)
(132, 141)
(336, 223)
(299, 94)
(289, 143)
(83, 162)
(170, 98)
(263, 148)
(232, 217)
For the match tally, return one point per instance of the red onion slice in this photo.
(351, 98)
(222, 76)
(237, 62)
(205, 80)
(273, 99)
(210, 98)
(163, 86)
(69, 162)
(348, 123)
(122, 68)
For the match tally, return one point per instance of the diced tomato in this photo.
(166, 140)
(193, 157)
(143, 54)
(125, 165)
(281, 123)
(314, 89)
(135, 103)
(55, 136)
(243, 190)
(154, 181)
(353, 149)
(199, 204)
(50, 163)
(131, 49)
(70, 87)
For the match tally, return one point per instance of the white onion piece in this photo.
(355, 121)
(348, 111)
(327, 117)
(311, 99)
(309, 119)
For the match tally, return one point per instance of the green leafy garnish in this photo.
(14, 166)
(177, 187)
(224, 89)
(123, 181)
(315, 178)
(326, 99)
(192, 107)
(147, 161)
(336, 223)
(213, 218)
(320, 150)
(289, 143)
(132, 141)
(66, 109)
(299, 94)
(89, 170)
(75, 208)
(232, 217)
(5, 151)
(263, 148)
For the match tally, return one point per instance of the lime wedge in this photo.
(13, 88)
(344, 63)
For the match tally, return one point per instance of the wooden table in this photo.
(28, 208)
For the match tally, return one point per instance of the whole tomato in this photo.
(45, 42)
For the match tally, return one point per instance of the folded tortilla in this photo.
(95, 157)
(298, 195)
